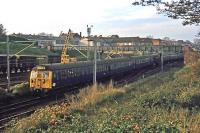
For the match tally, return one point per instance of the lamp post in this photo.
(89, 33)
(162, 58)
(95, 63)
(8, 62)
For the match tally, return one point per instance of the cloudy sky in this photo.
(107, 17)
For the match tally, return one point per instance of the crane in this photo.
(64, 56)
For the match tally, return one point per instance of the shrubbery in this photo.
(4, 95)
(20, 89)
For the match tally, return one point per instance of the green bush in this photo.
(20, 89)
(189, 97)
(4, 95)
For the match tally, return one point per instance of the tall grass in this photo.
(94, 94)
(50, 115)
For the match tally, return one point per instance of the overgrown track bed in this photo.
(24, 108)
(11, 111)
(10, 107)
(27, 107)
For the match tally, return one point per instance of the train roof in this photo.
(77, 64)
(56, 66)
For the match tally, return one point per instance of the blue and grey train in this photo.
(52, 76)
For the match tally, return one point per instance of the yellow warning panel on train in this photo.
(40, 68)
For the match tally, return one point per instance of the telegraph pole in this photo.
(95, 63)
(88, 32)
(162, 59)
(8, 63)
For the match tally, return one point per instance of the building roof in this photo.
(36, 37)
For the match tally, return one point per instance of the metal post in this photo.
(88, 32)
(95, 63)
(8, 63)
(162, 59)
(99, 55)
(88, 54)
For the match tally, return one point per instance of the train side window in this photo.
(54, 75)
(77, 72)
(85, 71)
(68, 73)
(71, 72)
(57, 75)
(65, 74)
(60, 75)
(82, 70)
(74, 72)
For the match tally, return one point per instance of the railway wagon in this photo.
(3, 63)
(23, 63)
(54, 59)
(52, 76)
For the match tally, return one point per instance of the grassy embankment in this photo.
(165, 102)
(14, 47)
(33, 50)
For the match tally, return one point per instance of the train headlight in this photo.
(54, 84)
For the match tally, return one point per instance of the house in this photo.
(113, 40)
(74, 38)
(146, 41)
(42, 40)
(49, 41)
(124, 41)
(156, 42)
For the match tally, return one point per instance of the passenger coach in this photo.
(51, 76)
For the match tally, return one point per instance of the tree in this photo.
(166, 38)
(2, 30)
(196, 41)
(187, 10)
(150, 36)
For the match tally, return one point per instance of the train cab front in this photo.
(40, 79)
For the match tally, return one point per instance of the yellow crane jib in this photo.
(64, 56)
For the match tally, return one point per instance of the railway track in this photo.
(11, 111)
(145, 73)
(27, 107)
(23, 109)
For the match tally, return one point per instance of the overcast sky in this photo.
(107, 17)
